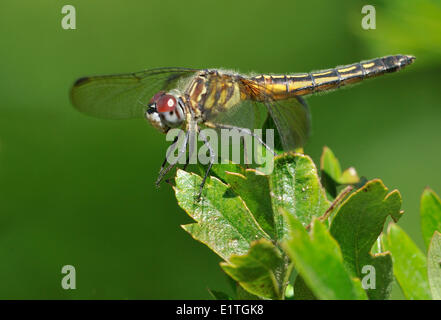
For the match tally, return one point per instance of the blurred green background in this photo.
(78, 190)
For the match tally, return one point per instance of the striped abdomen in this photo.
(285, 86)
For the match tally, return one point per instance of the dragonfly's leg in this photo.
(241, 130)
(210, 164)
(182, 150)
(171, 149)
(191, 142)
(187, 160)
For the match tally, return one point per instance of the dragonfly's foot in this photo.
(168, 181)
(199, 195)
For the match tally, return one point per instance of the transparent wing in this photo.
(291, 116)
(246, 114)
(293, 121)
(123, 96)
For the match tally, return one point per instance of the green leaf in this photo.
(301, 290)
(330, 164)
(219, 295)
(254, 190)
(332, 175)
(221, 170)
(319, 261)
(349, 176)
(296, 188)
(261, 271)
(330, 171)
(356, 226)
(242, 294)
(409, 264)
(224, 223)
(434, 266)
(378, 246)
(430, 209)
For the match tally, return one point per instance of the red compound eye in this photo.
(156, 97)
(166, 103)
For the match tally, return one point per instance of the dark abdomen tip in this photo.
(402, 60)
(410, 59)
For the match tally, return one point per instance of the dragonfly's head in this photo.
(166, 110)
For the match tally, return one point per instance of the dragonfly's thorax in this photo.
(166, 110)
(212, 92)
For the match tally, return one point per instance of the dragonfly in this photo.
(192, 99)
